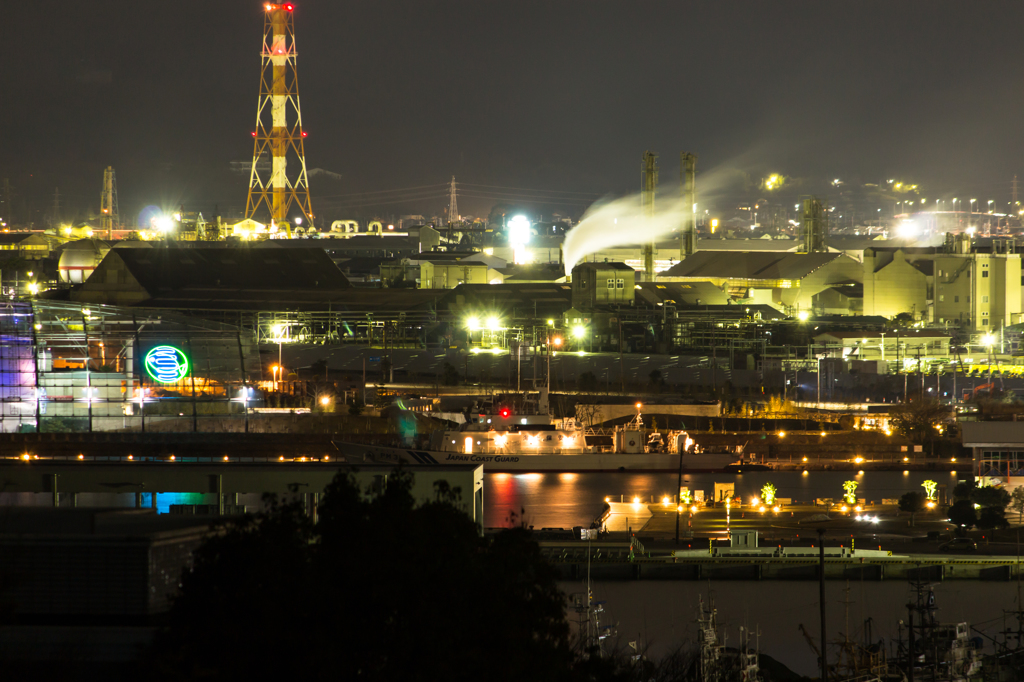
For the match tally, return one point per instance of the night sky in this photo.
(558, 95)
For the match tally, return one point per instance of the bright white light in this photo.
(518, 230)
(493, 323)
(473, 324)
(803, 315)
(579, 331)
(298, 221)
(908, 229)
(163, 223)
(988, 340)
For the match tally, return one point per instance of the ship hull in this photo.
(540, 463)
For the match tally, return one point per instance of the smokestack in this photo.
(815, 226)
(648, 184)
(688, 171)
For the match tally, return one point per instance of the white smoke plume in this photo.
(620, 222)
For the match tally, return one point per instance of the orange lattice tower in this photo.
(284, 138)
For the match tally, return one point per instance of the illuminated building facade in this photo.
(72, 367)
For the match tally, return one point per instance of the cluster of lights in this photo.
(866, 517)
(493, 324)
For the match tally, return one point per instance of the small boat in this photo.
(744, 467)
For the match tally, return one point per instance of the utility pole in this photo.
(821, 603)
(648, 185)
(7, 210)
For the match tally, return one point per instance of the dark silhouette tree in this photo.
(379, 589)
(913, 503)
(916, 420)
(990, 518)
(963, 514)
(990, 496)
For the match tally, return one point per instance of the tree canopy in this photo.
(378, 589)
(916, 420)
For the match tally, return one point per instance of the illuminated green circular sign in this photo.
(166, 364)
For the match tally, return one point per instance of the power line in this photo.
(529, 189)
(382, 191)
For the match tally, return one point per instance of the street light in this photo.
(988, 340)
(275, 369)
(990, 202)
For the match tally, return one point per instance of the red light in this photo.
(288, 6)
(304, 133)
(254, 133)
(505, 413)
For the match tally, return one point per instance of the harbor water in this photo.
(564, 500)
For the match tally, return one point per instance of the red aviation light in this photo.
(505, 413)
(304, 133)
(254, 133)
(288, 7)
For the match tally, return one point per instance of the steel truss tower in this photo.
(453, 204)
(279, 95)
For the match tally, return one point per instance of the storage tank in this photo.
(79, 258)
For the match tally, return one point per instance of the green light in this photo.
(768, 491)
(166, 364)
(930, 488)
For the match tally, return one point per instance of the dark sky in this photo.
(561, 95)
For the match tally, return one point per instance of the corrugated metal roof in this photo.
(752, 265)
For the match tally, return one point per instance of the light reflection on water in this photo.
(575, 499)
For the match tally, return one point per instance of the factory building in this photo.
(903, 348)
(788, 281)
(73, 367)
(27, 245)
(595, 284)
(976, 289)
(442, 270)
(214, 277)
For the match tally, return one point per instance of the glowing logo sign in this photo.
(166, 364)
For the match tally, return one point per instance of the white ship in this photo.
(534, 444)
